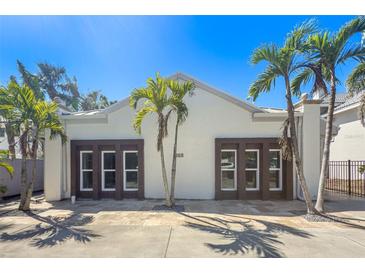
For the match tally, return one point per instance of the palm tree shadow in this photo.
(53, 231)
(245, 236)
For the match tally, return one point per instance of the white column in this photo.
(311, 144)
(52, 168)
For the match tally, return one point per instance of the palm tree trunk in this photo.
(23, 184)
(173, 166)
(11, 140)
(30, 185)
(326, 147)
(164, 177)
(297, 159)
(24, 204)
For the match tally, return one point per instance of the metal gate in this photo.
(346, 177)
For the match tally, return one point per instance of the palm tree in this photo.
(52, 81)
(356, 84)
(94, 100)
(283, 63)
(329, 51)
(179, 91)
(33, 116)
(155, 101)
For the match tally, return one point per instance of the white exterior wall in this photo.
(210, 117)
(53, 168)
(349, 144)
(311, 146)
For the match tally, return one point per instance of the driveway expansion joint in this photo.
(168, 242)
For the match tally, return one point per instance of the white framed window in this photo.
(130, 170)
(86, 170)
(252, 169)
(108, 170)
(275, 171)
(228, 169)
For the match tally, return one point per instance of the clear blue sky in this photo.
(118, 53)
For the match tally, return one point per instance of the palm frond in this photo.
(355, 52)
(341, 38)
(302, 78)
(140, 115)
(295, 38)
(139, 94)
(264, 82)
(310, 72)
(268, 53)
(176, 101)
(9, 168)
(356, 80)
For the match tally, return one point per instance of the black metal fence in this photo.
(346, 177)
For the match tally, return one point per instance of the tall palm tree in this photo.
(52, 81)
(179, 91)
(33, 116)
(155, 100)
(284, 63)
(329, 51)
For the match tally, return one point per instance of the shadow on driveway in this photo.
(52, 231)
(245, 235)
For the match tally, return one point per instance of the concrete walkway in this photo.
(131, 228)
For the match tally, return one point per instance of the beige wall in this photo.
(210, 117)
(349, 144)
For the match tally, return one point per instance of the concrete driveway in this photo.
(131, 228)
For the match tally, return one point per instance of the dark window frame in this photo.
(263, 145)
(97, 146)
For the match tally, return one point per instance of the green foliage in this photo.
(52, 81)
(94, 100)
(155, 100)
(356, 84)
(281, 62)
(3, 156)
(178, 92)
(356, 80)
(31, 115)
(324, 51)
(362, 169)
(3, 189)
(332, 49)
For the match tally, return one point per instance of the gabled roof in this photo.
(222, 94)
(340, 99)
(120, 104)
(350, 101)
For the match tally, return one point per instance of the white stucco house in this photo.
(349, 142)
(228, 147)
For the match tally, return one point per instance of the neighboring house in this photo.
(228, 150)
(349, 143)
(4, 141)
